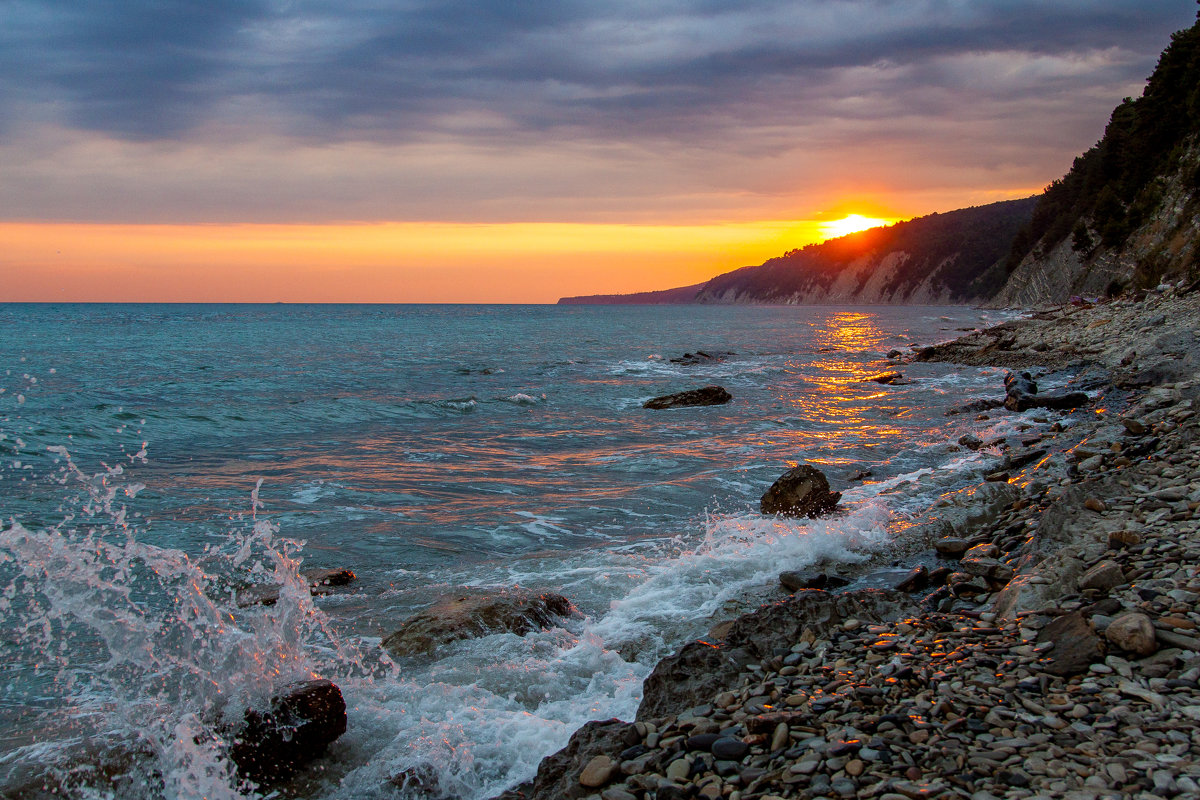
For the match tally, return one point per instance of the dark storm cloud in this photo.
(390, 72)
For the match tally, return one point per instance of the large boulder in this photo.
(1021, 394)
(708, 396)
(800, 492)
(1076, 645)
(472, 612)
(302, 720)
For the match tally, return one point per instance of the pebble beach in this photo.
(1045, 644)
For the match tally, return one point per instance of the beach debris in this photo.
(802, 491)
(707, 396)
(472, 612)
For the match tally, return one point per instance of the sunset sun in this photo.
(850, 224)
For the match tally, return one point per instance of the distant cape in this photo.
(684, 294)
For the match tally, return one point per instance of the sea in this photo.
(156, 460)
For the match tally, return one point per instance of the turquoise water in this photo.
(158, 457)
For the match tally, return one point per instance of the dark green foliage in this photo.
(1081, 240)
(1111, 184)
(962, 250)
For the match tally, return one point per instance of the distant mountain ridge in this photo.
(1126, 216)
(956, 257)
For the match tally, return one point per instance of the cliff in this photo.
(1127, 214)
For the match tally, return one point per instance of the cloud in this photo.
(705, 99)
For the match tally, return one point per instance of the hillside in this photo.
(684, 294)
(955, 257)
(1127, 214)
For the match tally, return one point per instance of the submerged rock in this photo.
(701, 357)
(800, 492)
(799, 581)
(888, 379)
(301, 722)
(318, 581)
(708, 396)
(470, 613)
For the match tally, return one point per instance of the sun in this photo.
(850, 224)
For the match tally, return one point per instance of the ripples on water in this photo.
(425, 448)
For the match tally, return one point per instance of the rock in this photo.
(951, 546)
(800, 492)
(1022, 394)
(708, 396)
(558, 774)
(1103, 576)
(975, 407)
(1118, 540)
(1095, 504)
(1076, 645)
(916, 580)
(597, 772)
(888, 379)
(730, 749)
(701, 357)
(300, 723)
(317, 580)
(473, 612)
(1132, 632)
(1134, 426)
(970, 441)
(986, 567)
(799, 581)
(894, 353)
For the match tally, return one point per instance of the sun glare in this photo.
(851, 224)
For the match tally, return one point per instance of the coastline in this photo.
(1063, 661)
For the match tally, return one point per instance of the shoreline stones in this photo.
(707, 396)
(1048, 684)
(800, 492)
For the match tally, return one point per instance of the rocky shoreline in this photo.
(1056, 653)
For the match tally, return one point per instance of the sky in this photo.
(509, 151)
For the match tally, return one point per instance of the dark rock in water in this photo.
(799, 581)
(708, 396)
(1022, 395)
(317, 579)
(701, 357)
(301, 722)
(975, 407)
(894, 354)
(800, 492)
(970, 441)
(860, 474)
(914, 581)
(475, 612)
(692, 675)
(888, 379)
(1019, 460)
(1076, 645)
(939, 575)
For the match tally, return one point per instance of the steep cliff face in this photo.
(1127, 215)
(956, 257)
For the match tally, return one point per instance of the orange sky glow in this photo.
(379, 262)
